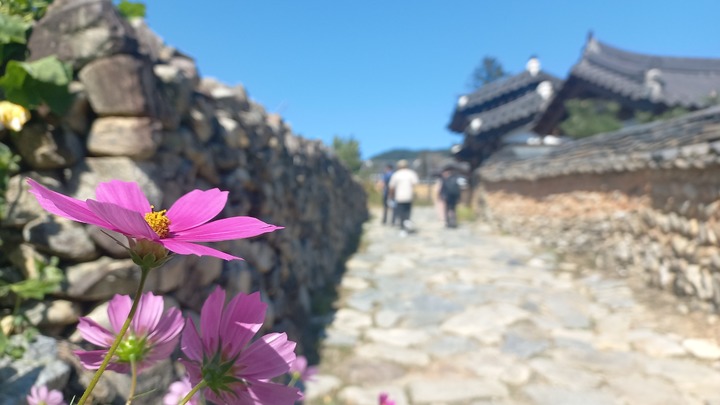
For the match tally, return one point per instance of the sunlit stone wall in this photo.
(143, 113)
(644, 200)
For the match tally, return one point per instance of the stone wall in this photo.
(644, 200)
(142, 113)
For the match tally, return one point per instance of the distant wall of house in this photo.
(142, 113)
(644, 200)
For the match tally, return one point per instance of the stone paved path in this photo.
(467, 316)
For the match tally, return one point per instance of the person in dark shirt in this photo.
(450, 191)
(388, 203)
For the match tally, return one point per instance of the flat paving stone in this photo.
(455, 390)
(470, 317)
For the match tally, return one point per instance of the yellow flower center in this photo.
(158, 222)
(13, 116)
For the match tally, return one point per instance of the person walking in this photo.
(388, 203)
(450, 191)
(402, 191)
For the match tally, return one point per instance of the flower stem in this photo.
(294, 377)
(133, 380)
(118, 338)
(202, 384)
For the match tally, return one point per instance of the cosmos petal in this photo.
(268, 357)
(118, 310)
(210, 317)
(124, 194)
(187, 248)
(226, 229)
(94, 333)
(268, 393)
(196, 208)
(64, 206)
(123, 220)
(190, 343)
(242, 319)
(150, 310)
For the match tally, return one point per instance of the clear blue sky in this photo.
(389, 72)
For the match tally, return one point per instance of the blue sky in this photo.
(389, 72)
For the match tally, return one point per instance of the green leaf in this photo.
(31, 84)
(4, 343)
(13, 29)
(131, 9)
(33, 288)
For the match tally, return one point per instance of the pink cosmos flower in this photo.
(178, 390)
(235, 370)
(42, 396)
(152, 336)
(301, 369)
(122, 207)
(384, 400)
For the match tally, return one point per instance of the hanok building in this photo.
(501, 113)
(637, 82)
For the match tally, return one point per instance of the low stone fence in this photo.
(641, 200)
(142, 113)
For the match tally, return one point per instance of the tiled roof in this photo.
(497, 102)
(686, 82)
(639, 81)
(519, 109)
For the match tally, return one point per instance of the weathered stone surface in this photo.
(137, 138)
(228, 98)
(702, 348)
(350, 319)
(42, 147)
(60, 237)
(26, 259)
(551, 395)
(101, 279)
(407, 357)
(39, 365)
(646, 390)
(86, 177)
(150, 44)
(484, 322)
(81, 31)
(78, 116)
(320, 386)
(455, 390)
(121, 85)
(109, 241)
(176, 88)
(55, 313)
(21, 207)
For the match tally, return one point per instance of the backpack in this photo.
(451, 186)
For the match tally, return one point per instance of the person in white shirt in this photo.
(402, 190)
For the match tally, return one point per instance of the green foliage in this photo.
(31, 84)
(8, 166)
(348, 151)
(14, 348)
(13, 37)
(589, 117)
(131, 9)
(643, 117)
(488, 71)
(48, 279)
(28, 10)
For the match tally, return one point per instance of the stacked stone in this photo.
(643, 200)
(142, 113)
